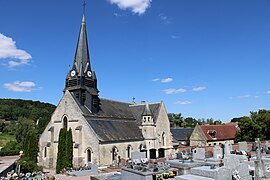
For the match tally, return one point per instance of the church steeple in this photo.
(82, 58)
(81, 79)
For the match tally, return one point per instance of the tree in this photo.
(69, 149)
(28, 162)
(30, 146)
(248, 130)
(61, 154)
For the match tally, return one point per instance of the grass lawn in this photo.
(5, 138)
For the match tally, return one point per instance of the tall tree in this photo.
(69, 149)
(30, 146)
(61, 154)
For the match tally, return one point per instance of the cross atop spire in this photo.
(84, 5)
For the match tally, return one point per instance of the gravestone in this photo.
(198, 154)
(259, 164)
(137, 155)
(217, 152)
(267, 147)
(242, 146)
(227, 148)
(231, 161)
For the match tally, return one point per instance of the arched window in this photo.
(65, 122)
(114, 153)
(129, 151)
(163, 139)
(45, 151)
(89, 155)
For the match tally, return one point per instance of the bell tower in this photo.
(81, 80)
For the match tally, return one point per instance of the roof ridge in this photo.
(115, 100)
(144, 104)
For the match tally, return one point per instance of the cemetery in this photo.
(225, 164)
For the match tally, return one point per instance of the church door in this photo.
(153, 154)
(161, 153)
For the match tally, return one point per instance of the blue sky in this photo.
(202, 58)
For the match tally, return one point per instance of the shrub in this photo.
(28, 166)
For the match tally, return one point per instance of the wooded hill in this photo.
(18, 112)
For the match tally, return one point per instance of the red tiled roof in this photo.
(223, 132)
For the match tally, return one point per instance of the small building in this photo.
(181, 135)
(211, 135)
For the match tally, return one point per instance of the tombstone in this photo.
(227, 148)
(137, 155)
(94, 168)
(217, 152)
(198, 154)
(231, 161)
(267, 147)
(259, 164)
(242, 146)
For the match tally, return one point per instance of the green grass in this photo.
(5, 138)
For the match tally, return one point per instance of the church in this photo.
(103, 130)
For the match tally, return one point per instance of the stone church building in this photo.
(103, 129)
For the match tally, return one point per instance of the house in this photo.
(211, 135)
(103, 130)
(181, 135)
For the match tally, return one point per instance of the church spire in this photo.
(81, 80)
(82, 58)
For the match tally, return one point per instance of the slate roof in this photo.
(181, 134)
(137, 111)
(82, 58)
(118, 121)
(223, 132)
(116, 130)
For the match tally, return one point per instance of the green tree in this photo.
(248, 130)
(69, 149)
(30, 146)
(61, 154)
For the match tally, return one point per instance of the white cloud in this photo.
(200, 88)
(156, 79)
(174, 91)
(137, 6)
(8, 50)
(183, 102)
(18, 86)
(244, 96)
(166, 80)
(256, 96)
(267, 92)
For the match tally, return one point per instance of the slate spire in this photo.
(82, 58)
(147, 111)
